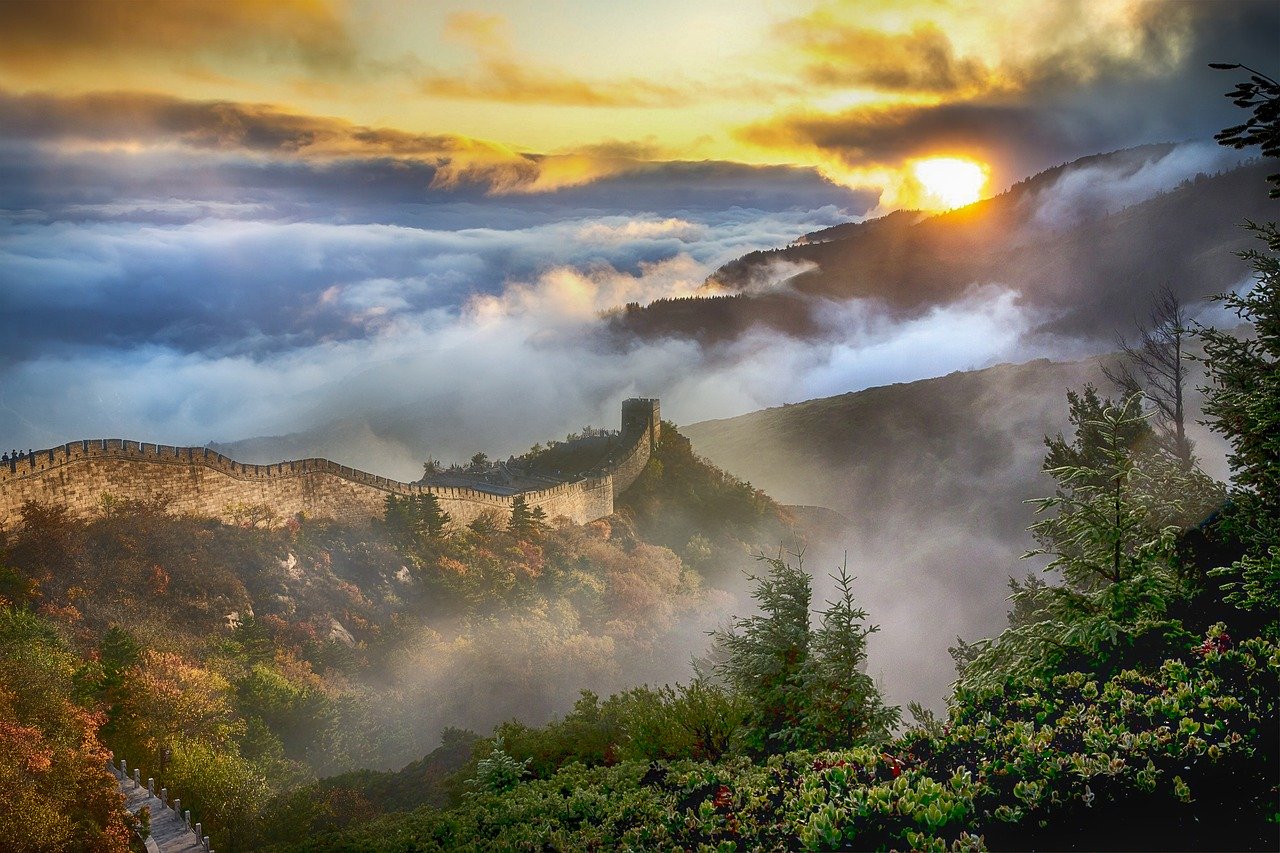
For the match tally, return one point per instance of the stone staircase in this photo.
(171, 828)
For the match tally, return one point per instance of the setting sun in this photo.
(950, 181)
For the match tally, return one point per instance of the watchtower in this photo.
(639, 414)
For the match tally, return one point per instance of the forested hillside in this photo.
(265, 657)
(1076, 260)
(1132, 701)
(416, 684)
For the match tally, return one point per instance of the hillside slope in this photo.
(932, 477)
(1067, 241)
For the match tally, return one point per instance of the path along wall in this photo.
(201, 482)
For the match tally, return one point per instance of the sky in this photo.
(389, 229)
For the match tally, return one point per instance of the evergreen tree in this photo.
(841, 703)
(525, 521)
(118, 651)
(802, 687)
(762, 657)
(1242, 401)
(429, 520)
(397, 515)
(1088, 448)
(1099, 534)
(1111, 537)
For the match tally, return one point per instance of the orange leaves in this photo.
(450, 566)
(532, 560)
(57, 792)
(166, 696)
(24, 746)
(67, 614)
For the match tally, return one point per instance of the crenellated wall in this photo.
(198, 481)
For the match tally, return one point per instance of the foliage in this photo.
(1243, 404)
(499, 772)
(1112, 539)
(58, 794)
(1261, 96)
(1099, 536)
(841, 703)
(165, 698)
(1180, 755)
(802, 687)
(221, 786)
(416, 519)
(526, 522)
(1242, 401)
(761, 657)
(696, 720)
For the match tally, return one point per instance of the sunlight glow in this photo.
(950, 181)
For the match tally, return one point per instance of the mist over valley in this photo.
(835, 425)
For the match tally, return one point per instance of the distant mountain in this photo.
(1075, 242)
(932, 479)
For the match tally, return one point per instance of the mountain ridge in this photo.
(1066, 255)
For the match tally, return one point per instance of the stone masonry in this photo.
(201, 482)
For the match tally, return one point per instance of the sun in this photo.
(949, 181)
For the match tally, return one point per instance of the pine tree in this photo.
(1242, 401)
(397, 515)
(803, 688)
(429, 519)
(1099, 534)
(525, 521)
(1243, 404)
(842, 705)
(1111, 532)
(761, 657)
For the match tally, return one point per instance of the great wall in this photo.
(202, 482)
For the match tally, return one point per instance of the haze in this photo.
(379, 231)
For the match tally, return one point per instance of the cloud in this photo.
(1056, 81)
(40, 36)
(133, 118)
(1094, 190)
(124, 120)
(145, 132)
(884, 134)
(501, 75)
(922, 60)
(681, 229)
(223, 278)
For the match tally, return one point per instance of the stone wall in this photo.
(641, 422)
(202, 482)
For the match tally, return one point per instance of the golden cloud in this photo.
(839, 54)
(38, 35)
(138, 120)
(500, 75)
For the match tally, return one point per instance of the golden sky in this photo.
(860, 89)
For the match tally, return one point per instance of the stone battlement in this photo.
(200, 481)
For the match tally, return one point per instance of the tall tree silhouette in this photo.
(1156, 364)
(1261, 95)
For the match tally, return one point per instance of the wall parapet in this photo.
(199, 480)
